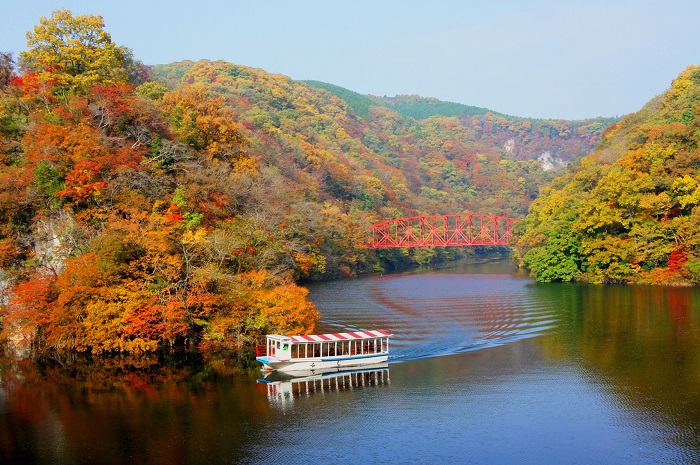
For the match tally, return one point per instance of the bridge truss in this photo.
(453, 230)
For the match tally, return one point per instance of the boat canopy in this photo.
(341, 336)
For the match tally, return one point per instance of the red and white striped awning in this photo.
(341, 336)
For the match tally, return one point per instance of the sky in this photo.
(568, 59)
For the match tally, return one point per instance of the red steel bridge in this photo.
(456, 230)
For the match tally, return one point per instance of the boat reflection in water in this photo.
(284, 388)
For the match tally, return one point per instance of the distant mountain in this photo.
(553, 142)
(410, 106)
(414, 106)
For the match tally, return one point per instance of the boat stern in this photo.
(267, 362)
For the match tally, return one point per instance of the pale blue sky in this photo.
(538, 58)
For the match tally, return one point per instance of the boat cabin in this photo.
(347, 348)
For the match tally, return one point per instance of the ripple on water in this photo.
(437, 314)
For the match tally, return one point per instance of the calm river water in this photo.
(486, 367)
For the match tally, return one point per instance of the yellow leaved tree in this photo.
(75, 52)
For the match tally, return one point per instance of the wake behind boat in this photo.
(324, 351)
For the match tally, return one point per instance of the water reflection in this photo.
(642, 344)
(125, 410)
(283, 390)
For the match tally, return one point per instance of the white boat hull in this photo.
(320, 363)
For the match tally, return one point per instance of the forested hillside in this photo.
(526, 138)
(381, 161)
(145, 208)
(628, 213)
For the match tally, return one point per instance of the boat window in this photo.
(328, 349)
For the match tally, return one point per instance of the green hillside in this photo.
(359, 103)
(414, 106)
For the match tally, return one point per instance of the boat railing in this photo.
(261, 350)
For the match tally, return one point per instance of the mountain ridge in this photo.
(420, 107)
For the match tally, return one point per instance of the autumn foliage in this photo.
(123, 229)
(630, 212)
(180, 205)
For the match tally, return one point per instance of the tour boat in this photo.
(323, 351)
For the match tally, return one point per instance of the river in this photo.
(486, 366)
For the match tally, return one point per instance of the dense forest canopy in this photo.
(181, 204)
(630, 212)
